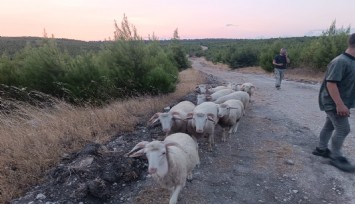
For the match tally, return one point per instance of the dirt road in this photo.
(269, 160)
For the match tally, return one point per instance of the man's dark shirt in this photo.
(280, 59)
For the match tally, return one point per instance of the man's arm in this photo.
(333, 90)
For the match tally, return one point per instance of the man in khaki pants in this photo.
(280, 62)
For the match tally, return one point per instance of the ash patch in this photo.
(99, 173)
(92, 175)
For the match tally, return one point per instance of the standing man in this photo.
(336, 97)
(280, 62)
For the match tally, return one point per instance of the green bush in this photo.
(42, 68)
(323, 49)
(246, 57)
(8, 71)
(268, 55)
(127, 67)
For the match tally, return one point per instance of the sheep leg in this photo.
(212, 136)
(211, 140)
(224, 135)
(175, 194)
(189, 176)
(234, 128)
(230, 132)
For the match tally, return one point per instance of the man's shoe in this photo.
(278, 87)
(343, 164)
(323, 153)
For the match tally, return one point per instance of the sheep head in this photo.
(157, 155)
(223, 109)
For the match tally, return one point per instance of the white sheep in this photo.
(206, 97)
(229, 114)
(234, 86)
(174, 120)
(170, 161)
(218, 94)
(217, 88)
(238, 95)
(248, 87)
(202, 121)
(200, 98)
(202, 88)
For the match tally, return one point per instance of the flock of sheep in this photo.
(171, 161)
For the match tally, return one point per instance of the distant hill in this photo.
(11, 45)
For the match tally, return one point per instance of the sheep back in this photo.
(239, 95)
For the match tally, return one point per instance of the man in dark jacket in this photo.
(280, 64)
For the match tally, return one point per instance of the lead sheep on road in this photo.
(170, 161)
(229, 114)
(248, 87)
(202, 121)
(174, 120)
(234, 86)
(201, 88)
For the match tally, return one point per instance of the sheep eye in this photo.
(163, 153)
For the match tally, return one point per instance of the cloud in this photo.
(230, 25)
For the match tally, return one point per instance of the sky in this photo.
(93, 20)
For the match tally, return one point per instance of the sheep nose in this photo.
(199, 130)
(152, 170)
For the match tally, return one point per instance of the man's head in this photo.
(283, 51)
(351, 41)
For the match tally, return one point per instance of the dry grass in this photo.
(33, 140)
(301, 74)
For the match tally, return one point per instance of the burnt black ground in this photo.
(268, 160)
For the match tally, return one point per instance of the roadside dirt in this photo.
(268, 160)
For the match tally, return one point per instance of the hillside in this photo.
(11, 45)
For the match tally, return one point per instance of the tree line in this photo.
(127, 66)
(307, 52)
(98, 72)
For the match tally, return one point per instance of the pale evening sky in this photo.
(195, 19)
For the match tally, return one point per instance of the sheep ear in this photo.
(153, 119)
(167, 144)
(137, 153)
(189, 116)
(176, 115)
(140, 146)
(210, 117)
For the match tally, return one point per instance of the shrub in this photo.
(42, 68)
(8, 71)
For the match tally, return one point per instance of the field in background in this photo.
(33, 140)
